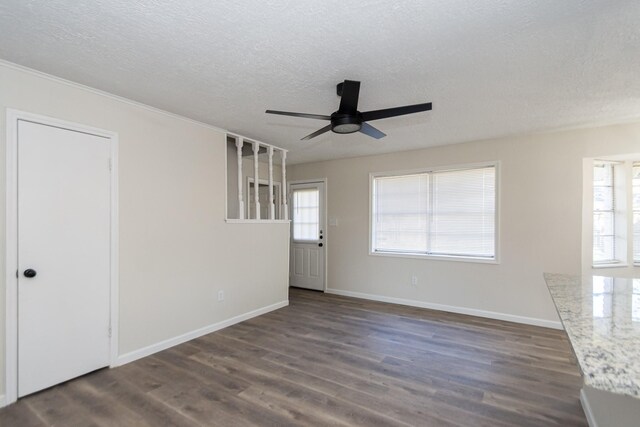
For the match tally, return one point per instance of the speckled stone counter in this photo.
(601, 316)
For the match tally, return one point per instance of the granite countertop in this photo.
(601, 316)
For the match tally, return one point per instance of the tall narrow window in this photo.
(636, 212)
(306, 214)
(441, 213)
(604, 214)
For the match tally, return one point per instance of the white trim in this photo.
(115, 250)
(11, 244)
(307, 181)
(445, 168)
(171, 342)
(327, 237)
(586, 406)
(257, 221)
(451, 309)
(3, 401)
(95, 91)
(477, 260)
(11, 261)
(127, 101)
(326, 223)
(459, 167)
(616, 265)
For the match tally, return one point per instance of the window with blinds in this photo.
(604, 213)
(635, 174)
(440, 213)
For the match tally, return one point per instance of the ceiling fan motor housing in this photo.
(346, 123)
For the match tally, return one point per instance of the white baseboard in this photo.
(163, 345)
(3, 401)
(586, 407)
(452, 309)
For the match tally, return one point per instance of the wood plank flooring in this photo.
(330, 360)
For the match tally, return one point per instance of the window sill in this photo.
(616, 265)
(435, 257)
(257, 221)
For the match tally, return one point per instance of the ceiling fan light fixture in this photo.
(347, 128)
(345, 123)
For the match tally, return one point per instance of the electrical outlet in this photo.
(220, 295)
(414, 280)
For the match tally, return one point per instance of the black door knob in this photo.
(320, 244)
(29, 272)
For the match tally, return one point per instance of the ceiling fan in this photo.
(348, 119)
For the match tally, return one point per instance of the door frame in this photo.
(326, 222)
(11, 242)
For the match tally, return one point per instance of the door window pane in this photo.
(306, 214)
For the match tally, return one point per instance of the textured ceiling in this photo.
(491, 68)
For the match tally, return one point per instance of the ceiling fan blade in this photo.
(349, 97)
(305, 115)
(367, 129)
(396, 111)
(327, 128)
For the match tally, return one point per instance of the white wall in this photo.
(176, 250)
(540, 223)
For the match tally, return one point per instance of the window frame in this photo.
(614, 211)
(473, 259)
(623, 217)
(633, 212)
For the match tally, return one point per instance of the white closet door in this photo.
(64, 237)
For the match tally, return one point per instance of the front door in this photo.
(64, 205)
(308, 242)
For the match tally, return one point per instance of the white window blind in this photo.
(636, 212)
(306, 214)
(604, 210)
(401, 205)
(447, 213)
(464, 207)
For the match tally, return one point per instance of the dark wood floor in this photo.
(329, 360)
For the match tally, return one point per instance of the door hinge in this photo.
(109, 332)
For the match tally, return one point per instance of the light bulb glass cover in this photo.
(347, 128)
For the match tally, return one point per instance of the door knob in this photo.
(29, 272)
(320, 244)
